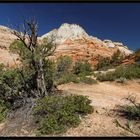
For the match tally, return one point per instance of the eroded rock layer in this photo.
(71, 40)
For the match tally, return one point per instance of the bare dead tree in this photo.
(28, 35)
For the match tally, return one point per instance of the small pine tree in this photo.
(82, 68)
(63, 65)
(103, 63)
(137, 55)
(117, 57)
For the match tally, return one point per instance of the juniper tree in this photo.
(33, 53)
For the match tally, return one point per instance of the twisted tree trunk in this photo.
(41, 85)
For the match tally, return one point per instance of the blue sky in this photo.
(114, 21)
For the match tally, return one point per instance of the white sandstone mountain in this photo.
(74, 32)
(67, 31)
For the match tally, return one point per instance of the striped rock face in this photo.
(123, 49)
(6, 38)
(70, 39)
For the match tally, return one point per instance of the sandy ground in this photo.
(104, 96)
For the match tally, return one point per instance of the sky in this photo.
(114, 21)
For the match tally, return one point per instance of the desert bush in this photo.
(87, 80)
(64, 73)
(132, 111)
(82, 68)
(3, 110)
(103, 64)
(9, 83)
(70, 77)
(106, 77)
(106, 63)
(16, 84)
(25, 55)
(128, 72)
(121, 80)
(137, 55)
(63, 65)
(116, 58)
(19, 83)
(55, 114)
(49, 71)
(67, 78)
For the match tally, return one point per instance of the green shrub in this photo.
(116, 58)
(106, 77)
(82, 68)
(128, 72)
(70, 77)
(64, 73)
(3, 111)
(55, 114)
(19, 83)
(121, 80)
(9, 84)
(18, 47)
(87, 80)
(130, 112)
(49, 70)
(63, 65)
(103, 63)
(137, 55)
(67, 78)
(106, 63)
